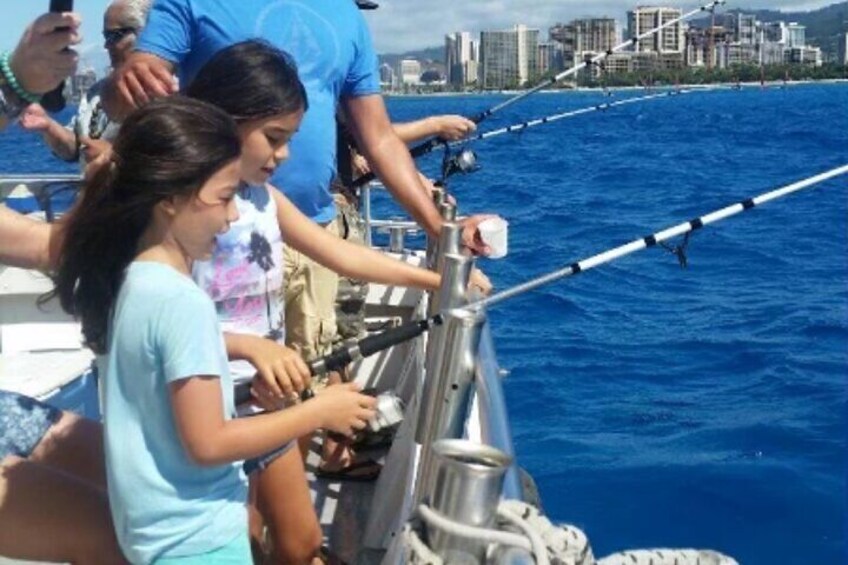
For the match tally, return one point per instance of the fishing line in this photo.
(433, 143)
(634, 41)
(352, 352)
(516, 128)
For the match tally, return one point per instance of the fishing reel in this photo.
(464, 161)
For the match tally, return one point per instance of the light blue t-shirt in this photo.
(164, 505)
(328, 40)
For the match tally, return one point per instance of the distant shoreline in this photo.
(619, 88)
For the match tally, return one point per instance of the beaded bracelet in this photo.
(12, 81)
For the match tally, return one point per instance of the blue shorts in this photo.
(237, 552)
(23, 422)
(261, 462)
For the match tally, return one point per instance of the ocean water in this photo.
(660, 406)
(654, 405)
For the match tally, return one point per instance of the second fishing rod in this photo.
(354, 351)
(434, 143)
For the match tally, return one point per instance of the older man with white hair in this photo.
(91, 130)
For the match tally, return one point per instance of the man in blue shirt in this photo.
(331, 45)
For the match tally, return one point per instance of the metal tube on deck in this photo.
(447, 388)
(365, 202)
(396, 239)
(448, 243)
(448, 211)
(439, 197)
(467, 485)
(451, 294)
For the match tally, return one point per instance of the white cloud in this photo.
(401, 25)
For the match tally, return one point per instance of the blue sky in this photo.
(402, 24)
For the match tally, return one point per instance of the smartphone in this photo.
(61, 6)
(54, 101)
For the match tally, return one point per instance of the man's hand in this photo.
(94, 148)
(471, 234)
(360, 165)
(35, 118)
(142, 78)
(479, 282)
(453, 127)
(42, 60)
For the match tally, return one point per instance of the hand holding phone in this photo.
(54, 101)
(61, 6)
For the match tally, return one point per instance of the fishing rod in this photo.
(633, 41)
(354, 351)
(435, 142)
(515, 128)
(349, 353)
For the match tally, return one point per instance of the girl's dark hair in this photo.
(170, 147)
(250, 80)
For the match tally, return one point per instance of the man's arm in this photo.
(61, 141)
(27, 243)
(450, 127)
(390, 159)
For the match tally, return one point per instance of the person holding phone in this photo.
(39, 63)
(91, 131)
(53, 504)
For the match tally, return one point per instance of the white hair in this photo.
(136, 12)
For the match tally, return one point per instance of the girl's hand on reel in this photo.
(344, 409)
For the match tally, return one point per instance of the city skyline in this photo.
(405, 25)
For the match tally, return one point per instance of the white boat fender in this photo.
(523, 526)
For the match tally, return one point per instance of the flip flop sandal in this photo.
(363, 471)
(372, 441)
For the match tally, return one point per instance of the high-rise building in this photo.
(745, 29)
(508, 58)
(797, 35)
(550, 57)
(596, 35)
(460, 59)
(842, 49)
(776, 32)
(387, 76)
(79, 84)
(409, 72)
(707, 47)
(645, 18)
(803, 56)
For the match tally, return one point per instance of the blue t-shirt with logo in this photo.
(164, 329)
(328, 40)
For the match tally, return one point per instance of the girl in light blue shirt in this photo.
(173, 446)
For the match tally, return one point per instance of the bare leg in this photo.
(74, 445)
(286, 506)
(47, 514)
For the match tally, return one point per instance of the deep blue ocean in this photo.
(654, 405)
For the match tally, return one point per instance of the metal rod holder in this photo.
(447, 390)
(451, 294)
(468, 479)
(448, 211)
(396, 239)
(365, 200)
(448, 244)
(439, 198)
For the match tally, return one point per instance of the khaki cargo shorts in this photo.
(309, 297)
